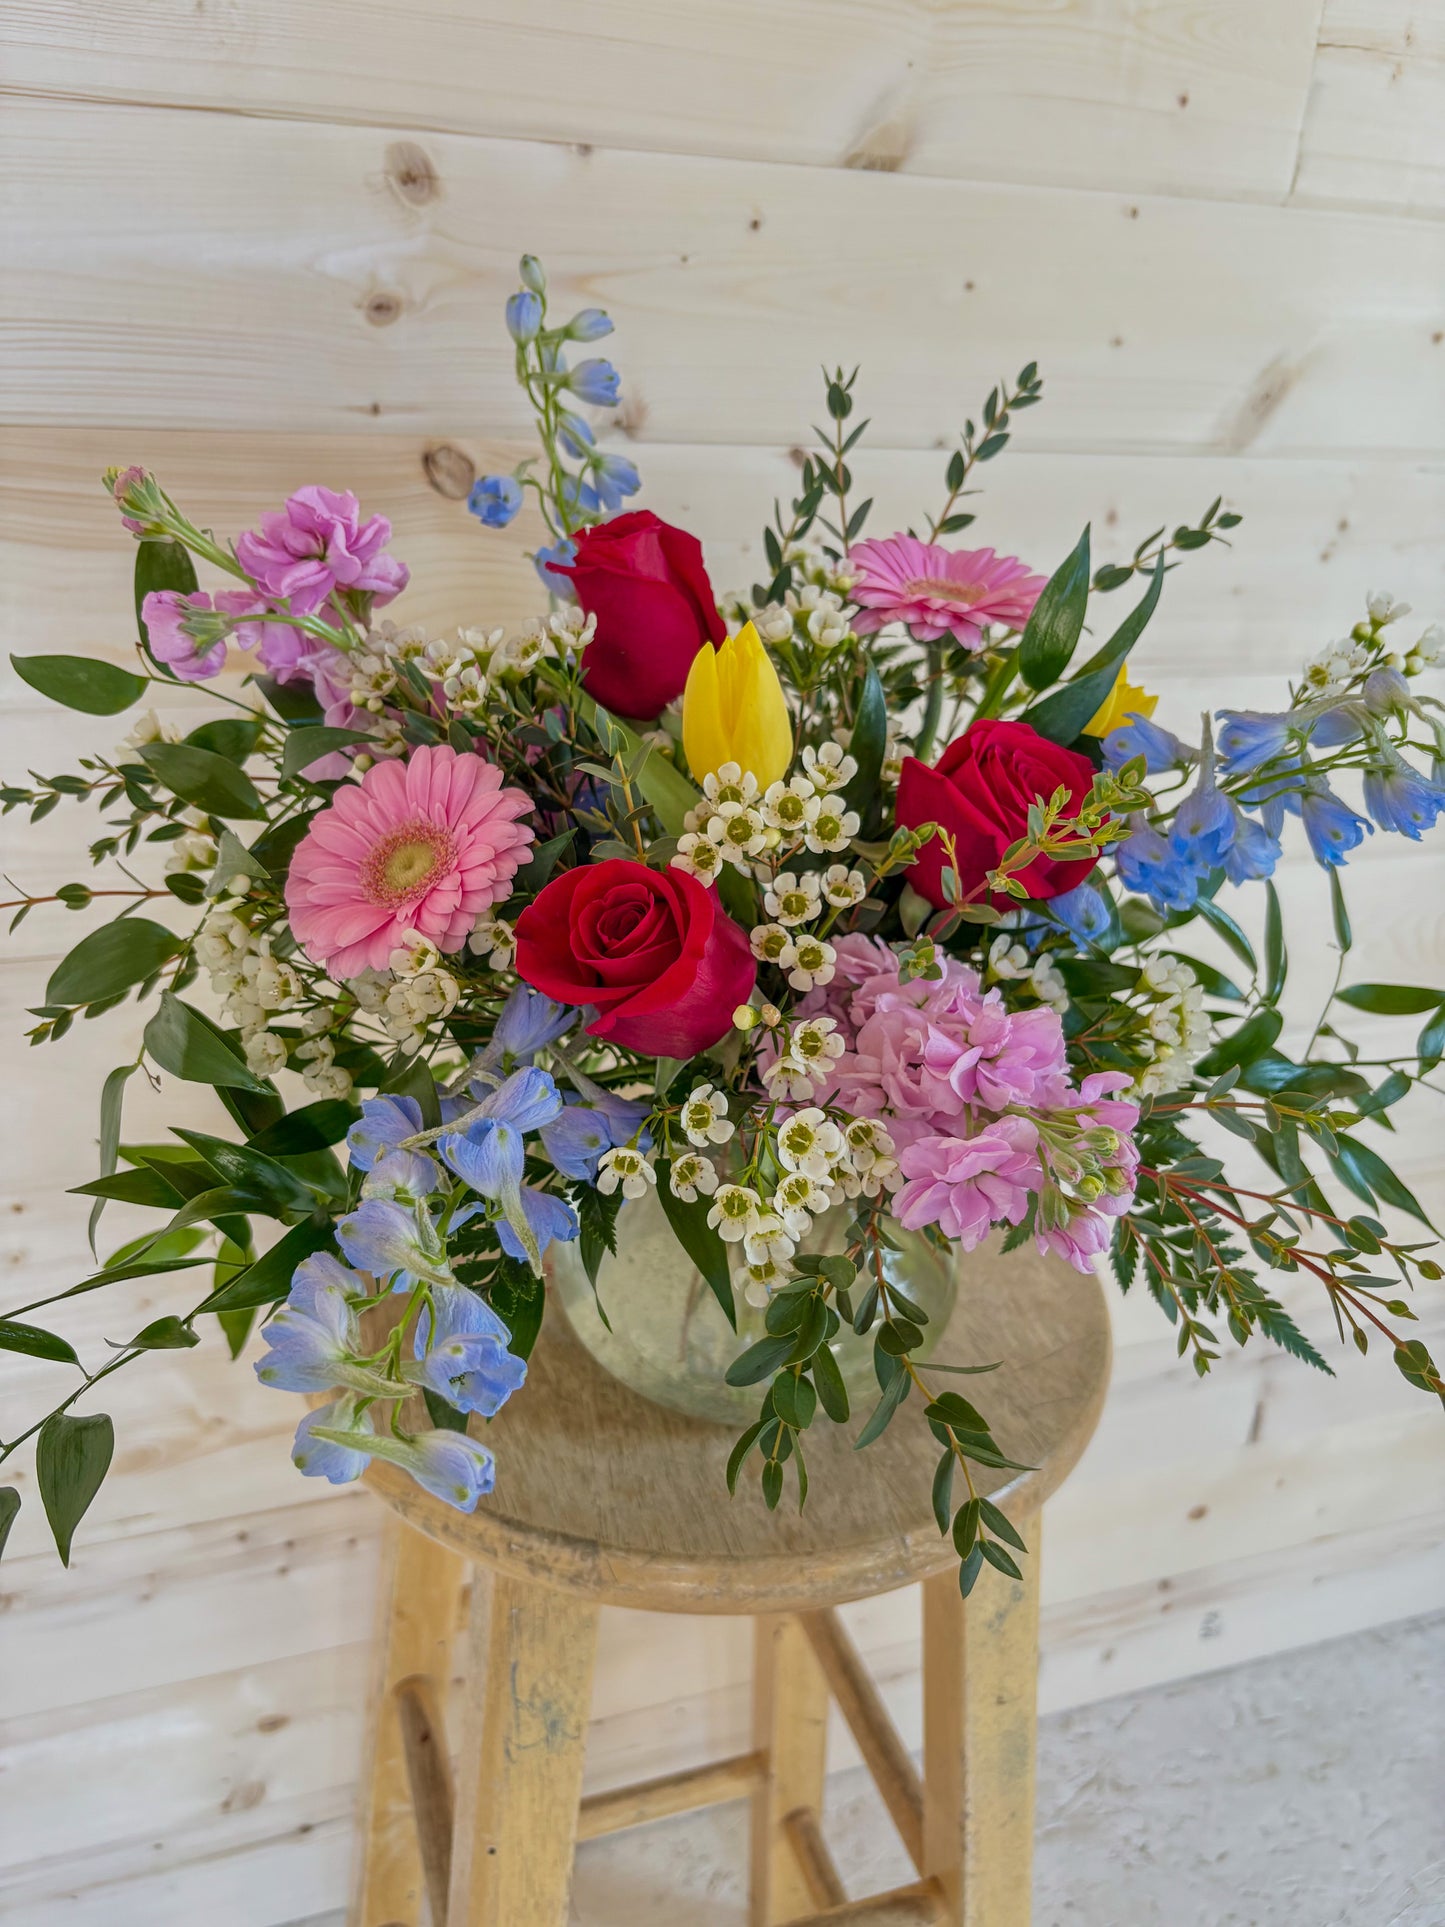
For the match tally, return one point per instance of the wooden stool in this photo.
(605, 1498)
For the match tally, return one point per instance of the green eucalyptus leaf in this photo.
(305, 746)
(180, 1040)
(233, 737)
(110, 961)
(208, 782)
(1052, 632)
(72, 1457)
(81, 682)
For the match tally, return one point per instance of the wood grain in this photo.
(1220, 326)
(1192, 99)
(790, 1732)
(1372, 128)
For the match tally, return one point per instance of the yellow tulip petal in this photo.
(734, 710)
(1125, 699)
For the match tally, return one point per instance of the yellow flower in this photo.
(734, 710)
(1123, 700)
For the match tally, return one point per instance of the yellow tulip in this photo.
(734, 710)
(1123, 700)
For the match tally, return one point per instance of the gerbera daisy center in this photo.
(946, 589)
(406, 863)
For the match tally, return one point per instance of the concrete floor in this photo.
(1304, 1791)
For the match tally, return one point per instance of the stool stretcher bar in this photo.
(922, 1905)
(699, 1786)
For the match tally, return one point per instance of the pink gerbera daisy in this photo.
(426, 845)
(938, 592)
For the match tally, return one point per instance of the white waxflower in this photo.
(813, 963)
(572, 628)
(1046, 983)
(494, 939)
(790, 807)
(265, 1053)
(194, 851)
(317, 1020)
(775, 623)
(691, 1173)
(698, 855)
(370, 988)
(798, 1200)
(704, 1116)
(843, 887)
(828, 767)
(730, 783)
(1006, 958)
(827, 624)
(739, 832)
(761, 1280)
(767, 1240)
(415, 954)
(148, 728)
(628, 1167)
(772, 944)
(809, 1141)
(831, 828)
(806, 1061)
(1384, 608)
(735, 1209)
(1427, 651)
(793, 899)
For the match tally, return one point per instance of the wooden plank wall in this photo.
(262, 244)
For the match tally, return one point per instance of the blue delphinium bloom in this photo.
(453, 1467)
(1253, 853)
(575, 435)
(394, 1241)
(595, 381)
(383, 1124)
(1249, 737)
(409, 1175)
(577, 496)
(489, 1153)
(576, 1140)
(545, 562)
(495, 500)
(313, 1338)
(1205, 823)
(1401, 799)
(1083, 911)
(548, 1218)
(1340, 723)
(615, 478)
(1137, 736)
(463, 1356)
(528, 1023)
(331, 1458)
(591, 324)
(1385, 691)
(1332, 827)
(524, 315)
(1149, 864)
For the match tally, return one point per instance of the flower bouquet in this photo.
(833, 927)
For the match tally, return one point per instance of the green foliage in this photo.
(9, 1506)
(72, 1457)
(699, 1240)
(180, 1040)
(16, 1337)
(867, 744)
(269, 1279)
(110, 961)
(206, 781)
(81, 682)
(1391, 1000)
(1053, 630)
(307, 745)
(1062, 715)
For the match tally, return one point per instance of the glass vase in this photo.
(670, 1339)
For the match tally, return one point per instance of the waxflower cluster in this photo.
(856, 916)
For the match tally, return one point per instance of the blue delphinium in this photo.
(1401, 799)
(549, 1220)
(575, 435)
(336, 1458)
(453, 1467)
(489, 1153)
(384, 1123)
(528, 1023)
(590, 324)
(1138, 736)
(409, 1175)
(1332, 827)
(314, 1338)
(1083, 911)
(1249, 737)
(460, 1346)
(394, 1241)
(546, 561)
(524, 316)
(1149, 864)
(1253, 853)
(596, 382)
(1206, 822)
(576, 1140)
(614, 478)
(495, 500)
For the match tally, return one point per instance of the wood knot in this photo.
(382, 307)
(411, 174)
(450, 470)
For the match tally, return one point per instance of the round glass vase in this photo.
(669, 1338)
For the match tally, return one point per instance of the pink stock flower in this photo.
(279, 648)
(317, 544)
(192, 658)
(425, 845)
(966, 1185)
(938, 592)
(124, 483)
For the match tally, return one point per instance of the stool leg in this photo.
(790, 1726)
(980, 1711)
(420, 1594)
(523, 1745)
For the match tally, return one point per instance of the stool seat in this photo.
(601, 1492)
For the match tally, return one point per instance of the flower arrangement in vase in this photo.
(855, 898)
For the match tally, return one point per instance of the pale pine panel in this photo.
(1160, 326)
(1199, 98)
(1374, 131)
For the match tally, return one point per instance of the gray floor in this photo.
(1306, 1791)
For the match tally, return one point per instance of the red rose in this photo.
(645, 582)
(652, 949)
(980, 792)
